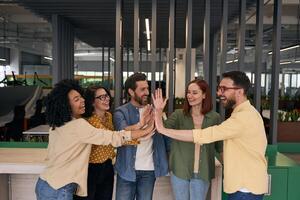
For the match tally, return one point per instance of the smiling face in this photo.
(140, 94)
(228, 93)
(194, 95)
(76, 102)
(102, 100)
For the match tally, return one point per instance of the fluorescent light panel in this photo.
(286, 62)
(148, 45)
(47, 58)
(286, 49)
(147, 28)
(2, 59)
(148, 34)
(85, 54)
(232, 61)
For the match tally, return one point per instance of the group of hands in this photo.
(151, 118)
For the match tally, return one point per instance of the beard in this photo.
(229, 104)
(140, 100)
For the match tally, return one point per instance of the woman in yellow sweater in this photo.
(70, 142)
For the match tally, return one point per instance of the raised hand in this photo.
(159, 104)
(158, 101)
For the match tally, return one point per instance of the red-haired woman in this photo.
(193, 166)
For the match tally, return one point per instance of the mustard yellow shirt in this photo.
(69, 149)
(101, 153)
(244, 149)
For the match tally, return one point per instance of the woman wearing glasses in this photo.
(193, 166)
(100, 172)
(70, 142)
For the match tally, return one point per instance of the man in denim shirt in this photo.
(139, 164)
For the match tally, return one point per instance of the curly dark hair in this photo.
(58, 109)
(130, 83)
(89, 97)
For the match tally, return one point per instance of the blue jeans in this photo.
(44, 191)
(192, 189)
(244, 196)
(141, 189)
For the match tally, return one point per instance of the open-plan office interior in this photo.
(172, 42)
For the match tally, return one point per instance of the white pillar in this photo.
(15, 60)
(180, 73)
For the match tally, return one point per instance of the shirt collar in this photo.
(242, 106)
(134, 107)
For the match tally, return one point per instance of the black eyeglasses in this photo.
(103, 97)
(222, 89)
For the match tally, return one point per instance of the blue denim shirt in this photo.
(127, 115)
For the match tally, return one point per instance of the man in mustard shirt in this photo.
(243, 133)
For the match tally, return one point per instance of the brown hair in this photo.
(207, 102)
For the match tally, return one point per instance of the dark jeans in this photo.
(244, 196)
(44, 191)
(100, 181)
(141, 189)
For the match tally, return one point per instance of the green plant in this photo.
(292, 116)
(179, 100)
(281, 116)
(265, 104)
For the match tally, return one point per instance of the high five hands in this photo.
(159, 104)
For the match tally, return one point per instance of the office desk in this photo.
(19, 170)
(41, 132)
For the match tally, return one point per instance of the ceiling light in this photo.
(85, 54)
(148, 34)
(286, 49)
(286, 62)
(232, 61)
(47, 58)
(2, 59)
(148, 45)
(147, 28)
(111, 59)
(297, 61)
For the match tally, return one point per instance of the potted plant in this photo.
(288, 128)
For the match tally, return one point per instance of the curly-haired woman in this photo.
(70, 142)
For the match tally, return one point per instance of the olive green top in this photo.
(181, 158)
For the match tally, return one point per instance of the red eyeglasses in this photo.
(222, 89)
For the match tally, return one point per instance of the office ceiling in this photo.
(94, 20)
(24, 24)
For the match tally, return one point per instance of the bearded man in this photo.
(139, 163)
(243, 135)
